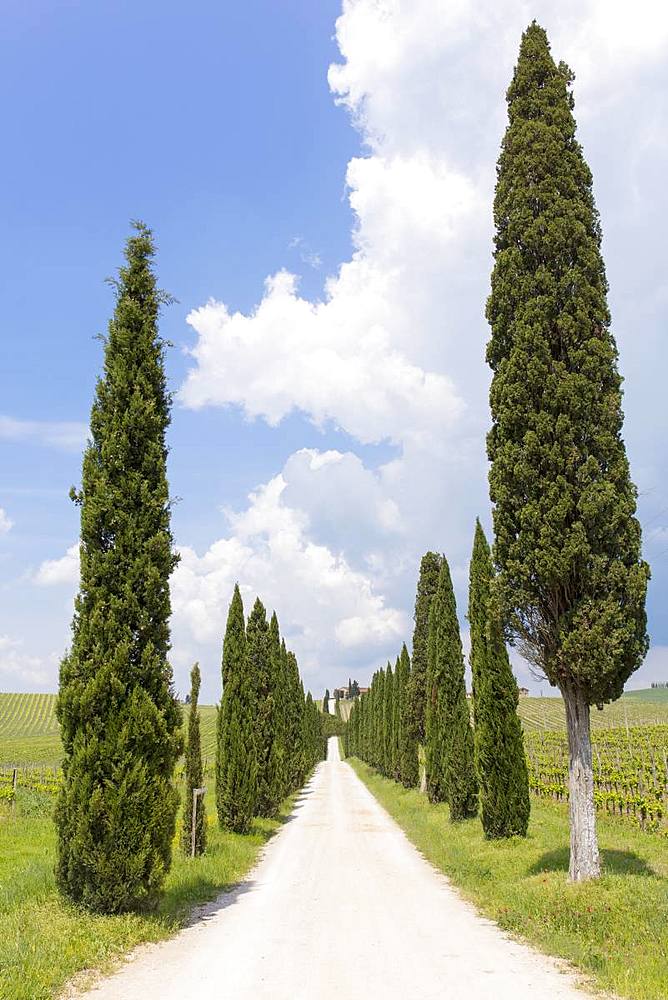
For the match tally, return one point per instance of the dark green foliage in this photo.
(294, 725)
(118, 715)
(407, 765)
(332, 725)
(572, 582)
(236, 756)
(194, 774)
(449, 737)
(325, 701)
(313, 740)
(278, 766)
(389, 747)
(259, 672)
(417, 684)
(499, 746)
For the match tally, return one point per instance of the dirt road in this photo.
(341, 907)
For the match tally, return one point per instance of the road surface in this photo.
(341, 907)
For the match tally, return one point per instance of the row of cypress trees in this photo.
(269, 734)
(468, 767)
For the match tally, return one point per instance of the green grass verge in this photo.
(45, 941)
(615, 929)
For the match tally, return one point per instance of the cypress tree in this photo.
(407, 767)
(388, 724)
(276, 764)
(325, 702)
(499, 747)
(295, 719)
(118, 715)
(194, 774)
(236, 759)
(572, 582)
(430, 566)
(449, 737)
(257, 651)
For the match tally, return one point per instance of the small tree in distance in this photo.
(194, 774)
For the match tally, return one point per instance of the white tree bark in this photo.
(585, 862)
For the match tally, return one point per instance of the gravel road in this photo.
(341, 907)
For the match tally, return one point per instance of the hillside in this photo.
(29, 728)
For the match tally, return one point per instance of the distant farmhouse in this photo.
(350, 691)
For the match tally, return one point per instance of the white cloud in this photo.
(324, 605)
(65, 435)
(64, 570)
(6, 522)
(394, 350)
(20, 670)
(320, 358)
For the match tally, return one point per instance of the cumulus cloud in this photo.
(65, 435)
(64, 570)
(324, 604)
(22, 671)
(394, 349)
(319, 358)
(6, 522)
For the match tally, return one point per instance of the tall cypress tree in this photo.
(430, 566)
(572, 582)
(499, 747)
(388, 724)
(259, 669)
(407, 767)
(449, 737)
(276, 763)
(194, 774)
(236, 757)
(118, 715)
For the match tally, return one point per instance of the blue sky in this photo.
(328, 425)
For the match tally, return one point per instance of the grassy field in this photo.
(615, 930)
(44, 941)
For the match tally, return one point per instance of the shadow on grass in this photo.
(613, 862)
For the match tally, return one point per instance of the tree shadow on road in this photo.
(613, 862)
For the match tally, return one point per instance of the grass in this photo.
(615, 929)
(45, 941)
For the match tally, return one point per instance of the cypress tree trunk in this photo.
(119, 718)
(194, 775)
(584, 861)
(572, 582)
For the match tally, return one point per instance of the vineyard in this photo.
(630, 750)
(630, 771)
(636, 708)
